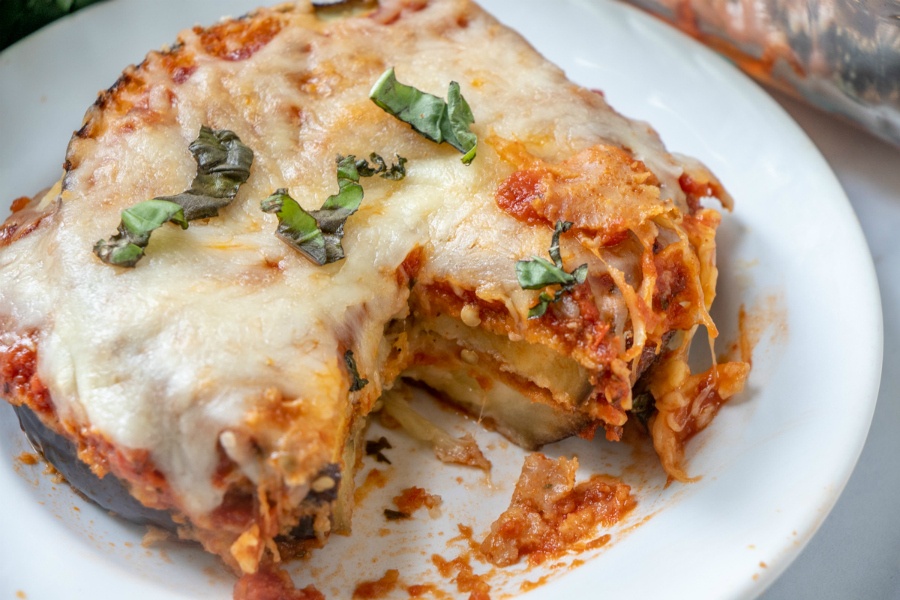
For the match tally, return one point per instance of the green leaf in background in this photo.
(18, 18)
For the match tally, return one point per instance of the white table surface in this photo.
(856, 553)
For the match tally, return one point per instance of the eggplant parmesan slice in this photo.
(224, 381)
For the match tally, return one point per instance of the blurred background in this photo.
(842, 56)
(18, 18)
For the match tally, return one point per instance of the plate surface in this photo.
(772, 465)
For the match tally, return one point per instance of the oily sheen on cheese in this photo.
(211, 377)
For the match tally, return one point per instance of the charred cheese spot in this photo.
(602, 191)
(239, 40)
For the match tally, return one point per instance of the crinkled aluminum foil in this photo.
(840, 55)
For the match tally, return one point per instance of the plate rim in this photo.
(775, 569)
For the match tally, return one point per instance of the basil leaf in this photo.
(127, 246)
(643, 407)
(561, 227)
(296, 227)
(350, 194)
(580, 274)
(420, 110)
(538, 273)
(318, 234)
(435, 119)
(376, 448)
(358, 382)
(395, 515)
(223, 165)
(456, 127)
(544, 301)
(395, 172)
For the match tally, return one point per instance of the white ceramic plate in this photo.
(772, 465)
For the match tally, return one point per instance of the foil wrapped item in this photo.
(840, 55)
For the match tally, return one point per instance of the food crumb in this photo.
(413, 498)
(467, 535)
(548, 514)
(527, 586)
(21, 594)
(27, 458)
(154, 536)
(55, 476)
(379, 588)
(272, 583)
(419, 590)
(466, 579)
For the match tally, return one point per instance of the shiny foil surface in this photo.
(842, 56)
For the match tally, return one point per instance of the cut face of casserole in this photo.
(226, 378)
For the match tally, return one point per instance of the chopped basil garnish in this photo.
(318, 234)
(127, 247)
(435, 119)
(357, 382)
(395, 515)
(643, 406)
(376, 448)
(223, 164)
(394, 172)
(538, 273)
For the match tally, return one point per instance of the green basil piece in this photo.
(318, 234)
(643, 407)
(395, 172)
(436, 119)
(538, 273)
(357, 382)
(127, 246)
(296, 227)
(223, 165)
(456, 127)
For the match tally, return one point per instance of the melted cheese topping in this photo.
(222, 322)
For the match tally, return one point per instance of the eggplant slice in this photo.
(108, 492)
